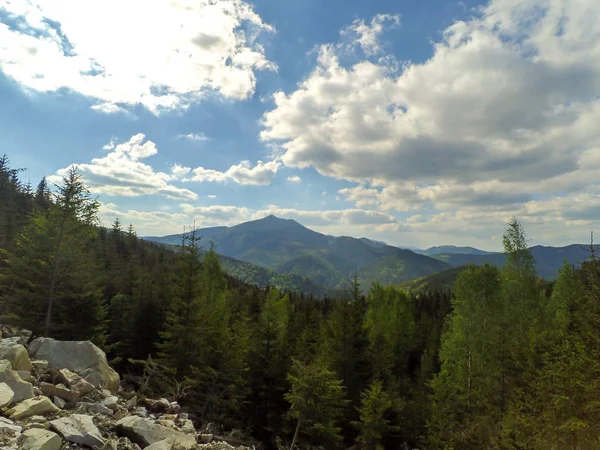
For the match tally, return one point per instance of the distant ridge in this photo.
(285, 253)
(284, 246)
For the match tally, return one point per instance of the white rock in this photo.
(6, 395)
(97, 408)
(9, 433)
(145, 432)
(75, 382)
(59, 402)
(32, 407)
(16, 354)
(82, 357)
(22, 389)
(79, 429)
(111, 402)
(165, 444)
(131, 403)
(38, 439)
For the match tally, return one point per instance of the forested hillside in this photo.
(286, 248)
(504, 363)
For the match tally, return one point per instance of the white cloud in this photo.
(367, 35)
(194, 137)
(261, 174)
(121, 173)
(294, 179)
(158, 54)
(506, 110)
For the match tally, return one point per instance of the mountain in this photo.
(286, 247)
(548, 260)
(440, 282)
(445, 249)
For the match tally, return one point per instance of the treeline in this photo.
(503, 363)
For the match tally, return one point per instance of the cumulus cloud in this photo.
(121, 172)
(163, 55)
(261, 174)
(505, 110)
(294, 179)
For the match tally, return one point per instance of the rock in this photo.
(111, 402)
(206, 438)
(81, 357)
(131, 403)
(60, 391)
(79, 429)
(32, 407)
(36, 439)
(183, 416)
(9, 434)
(39, 364)
(59, 402)
(165, 444)
(97, 408)
(145, 432)
(75, 382)
(6, 395)
(24, 374)
(140, 411)
(16, 354)
(7, 424)
(106, 393)
(22, 389)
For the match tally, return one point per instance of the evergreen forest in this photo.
(503, 360)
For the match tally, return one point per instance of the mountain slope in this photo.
(548, 260)
(445, 249)
(439, 282)
(286, 247)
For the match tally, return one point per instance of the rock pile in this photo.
(57, 395)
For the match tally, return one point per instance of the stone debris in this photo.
(57, 395)
(38, 439)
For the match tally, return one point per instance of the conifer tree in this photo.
(317, 399)
(180, 347)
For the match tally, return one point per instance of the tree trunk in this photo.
(54, 275)
(296, 433)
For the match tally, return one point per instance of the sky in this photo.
(421, 122)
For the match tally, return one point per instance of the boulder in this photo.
(81, 357)
(9, 434)
(16, 354)
(60, 391)
(59, 402)
(166, 444)
(38, 439)
(6, 395)
(145, 432)
(23, 390)
(79, 429)
(32, 407)
(111, 402)
(75, 382)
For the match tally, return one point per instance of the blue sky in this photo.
(417, 122)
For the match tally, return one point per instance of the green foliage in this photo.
(316, 398)
(374, 424)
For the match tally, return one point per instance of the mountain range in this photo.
(284, 253)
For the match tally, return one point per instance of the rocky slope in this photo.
(57, 395)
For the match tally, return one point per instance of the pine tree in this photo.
(317, 399)
(180, 347)
(61, 279)
(374, 424)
